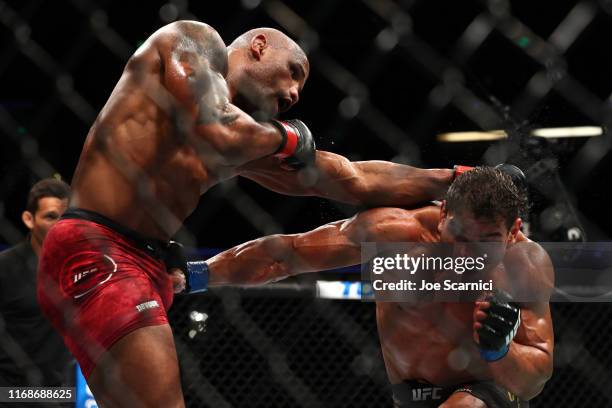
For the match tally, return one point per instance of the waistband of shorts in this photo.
(410, 393)
(154, 247)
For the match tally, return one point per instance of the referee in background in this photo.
(32, 354)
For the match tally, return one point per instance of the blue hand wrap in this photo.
(197, 278)
(494, 355)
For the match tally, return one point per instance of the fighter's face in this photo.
(462, 229)
(50, 209)
(273, 83)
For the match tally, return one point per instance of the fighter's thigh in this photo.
(463, 400)
(139, 370)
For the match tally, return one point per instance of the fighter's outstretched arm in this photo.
(333, 245)
(367, 183)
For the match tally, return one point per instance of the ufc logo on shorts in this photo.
(79, 275)
(425, 393)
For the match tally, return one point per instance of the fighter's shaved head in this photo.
(274, 39)
(267, 71)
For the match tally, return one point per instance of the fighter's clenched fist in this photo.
(496, 322)
(298, 146)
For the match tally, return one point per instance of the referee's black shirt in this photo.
(31, 352)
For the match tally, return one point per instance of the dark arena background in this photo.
(388, 77)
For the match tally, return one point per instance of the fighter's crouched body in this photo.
(494, 352)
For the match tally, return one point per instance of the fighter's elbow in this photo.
(242, 142)
(528, 391)
(532, 386)
(545, 367)
(230, 146)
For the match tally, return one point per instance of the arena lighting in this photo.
(578, 131)
(455, 137)
(551, 133)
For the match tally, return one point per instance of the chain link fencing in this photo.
(387, 76)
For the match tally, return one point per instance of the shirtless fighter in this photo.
(170, 130)
(493, 353)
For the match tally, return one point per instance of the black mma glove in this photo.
(516, 174)
(498, 327)
(297, 148)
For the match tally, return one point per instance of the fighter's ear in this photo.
(515, 229)
(28, 219)
(443, 213)
(259, 43)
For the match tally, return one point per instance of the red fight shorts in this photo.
(96, 285)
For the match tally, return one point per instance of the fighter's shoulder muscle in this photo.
(188, 36)
(528, 262)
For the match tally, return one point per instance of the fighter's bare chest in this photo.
(186, 167)
(437, 323)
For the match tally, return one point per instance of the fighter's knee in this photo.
(463, 400)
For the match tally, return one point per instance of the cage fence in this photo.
(482, 65)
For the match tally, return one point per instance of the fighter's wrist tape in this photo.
(197, 272)
(290, 139)
(494, 355)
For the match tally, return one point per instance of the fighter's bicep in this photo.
(326, 247)
(385, 224)
(222, 126)
(532, 271)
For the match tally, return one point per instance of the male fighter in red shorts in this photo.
(170, 130)
(493, 353)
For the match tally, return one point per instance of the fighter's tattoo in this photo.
(203, 54)
(228, 114)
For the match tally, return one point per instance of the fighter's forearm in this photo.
(523, 371)
(238, 138)
(277, 257)
(264, 260)
(390, 184)
(367, 183)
